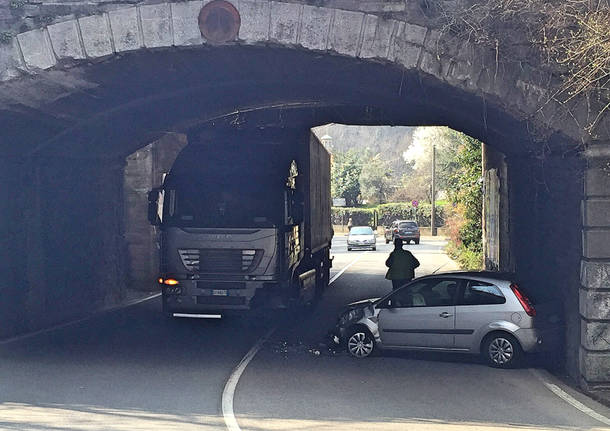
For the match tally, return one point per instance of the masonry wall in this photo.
(595, 270)
(61, 240)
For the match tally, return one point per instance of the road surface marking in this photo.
(228, 393)
(345, 268)
(569, 398)
(83, 319)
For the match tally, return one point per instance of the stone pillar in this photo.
(595, 270)
(144, 170)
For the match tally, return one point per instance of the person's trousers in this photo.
(399, 283)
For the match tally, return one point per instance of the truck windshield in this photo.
(225, 189)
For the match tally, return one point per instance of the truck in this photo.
(245, 223)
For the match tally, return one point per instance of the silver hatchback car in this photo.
(483, 313)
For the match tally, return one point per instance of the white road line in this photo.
(75, 322)
(570, 399)
(228, 393)
(345, 268)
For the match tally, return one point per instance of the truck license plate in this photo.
(220, 292)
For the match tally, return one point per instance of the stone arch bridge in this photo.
(85, 85)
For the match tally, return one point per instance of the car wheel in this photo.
(360, 343)
(416, 241)
(501, 350)
(387, 241)
(374, 248)
(349, 249)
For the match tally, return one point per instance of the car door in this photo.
(422, 314)
(479, 304)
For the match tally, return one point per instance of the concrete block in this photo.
(595, 366)
(597, 182)
(156, 25)
(345, 32)
(255, 16)
(595, 335)
(597, 212)
(595, 275)
(594, 304)
(431, 41)
(285, 19)
(315, 27)
(36, 48)
(97, 38)
(377, 37)
(186, 23)
(596, 244)
(65, 40)
(10, 61)
(125, 29)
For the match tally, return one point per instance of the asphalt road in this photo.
(134, 369)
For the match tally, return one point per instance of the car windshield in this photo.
(365, 230)
(407, 225)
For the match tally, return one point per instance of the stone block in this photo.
(594, 304)
(97, 38)
(595, 366)
(595, 275)
(125, 29)
(431, 64)
(595, 335)
(10, 61)
(255, 16)
(377, 40)
(185, 16)
(596, 244)
(285, 21)
(156, 25)
(315, 27)
(414, 34)
(597, 212)
(36, 48)
(65, 40)
(345, 32)
(597, 182)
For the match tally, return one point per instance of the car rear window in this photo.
(481, 293)
(407, 225)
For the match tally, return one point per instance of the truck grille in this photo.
(223, 260)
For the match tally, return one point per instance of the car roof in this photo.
(492, 275)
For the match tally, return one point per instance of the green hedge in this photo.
(387, 213)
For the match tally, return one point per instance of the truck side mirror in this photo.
(153, 207)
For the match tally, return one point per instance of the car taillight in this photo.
(395, 230)
(524, 300)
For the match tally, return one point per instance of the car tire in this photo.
(501, 350)
(387, 241)
(349, 249)
(374, 249)
(416, 241)
(360, 343)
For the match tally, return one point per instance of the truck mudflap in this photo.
(307, 286)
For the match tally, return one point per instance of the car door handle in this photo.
(444, 315)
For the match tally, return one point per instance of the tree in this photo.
(375, 180)
(345, 177)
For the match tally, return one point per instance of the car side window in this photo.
(426, 293)
(481, 293)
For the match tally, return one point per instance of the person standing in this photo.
(349, 224)
(401, 265)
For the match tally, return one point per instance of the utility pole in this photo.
(433, 213)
